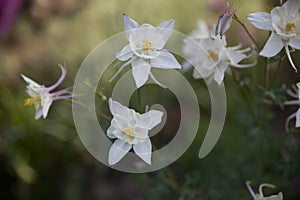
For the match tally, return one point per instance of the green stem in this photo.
(278, 66)
(246, 30)
(267, 74)
(244, 93)
(102, 114)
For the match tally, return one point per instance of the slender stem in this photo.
(102, 114)
(267, 74)
(171, 179)
(247, 31)
(278, 66)
(244, 93)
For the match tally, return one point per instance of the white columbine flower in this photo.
(40, 96)
(284, 22)
(260, 196)
(145, 49)
(211, 56)
(130, 129)
(296, 115)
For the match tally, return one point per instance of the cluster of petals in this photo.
(260, 195)
(130, 129)
(209, 54)
(146, 50)
(284, 23)
(42, 97)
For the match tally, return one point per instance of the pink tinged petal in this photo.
(289, 57)
(295, 43)
(117, 151)
(272, 47)
(46, 106)
(125, 53)
(60, 80)
(298, 118)
(144, 150)
(30, 82)
(261, 20)
(166, 29)
(165, 60)
(129, 24)
(140, 71)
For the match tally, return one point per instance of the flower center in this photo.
(289, 27)
(212, 55)
(129, 132)
(146, 46)
(31, 101)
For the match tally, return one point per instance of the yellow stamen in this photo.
(129, 132)
(31, 101)
(212, 55)
(146, 46)
(289, 27)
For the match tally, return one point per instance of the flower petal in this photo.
(166, 29)
(165, 60)
(261, 20)
(117, 109)
(30, 82)
(46, 103)
(117, 151)
(144, 150)
(129, 24)
(219, 73)
(272, 47)
(112, 131)
(155, 116)
(295, 43)
(298, 118)
(125, 53)
(140, 71)
(279, 196)
(38, 112)
(234, 56)
(60, 80)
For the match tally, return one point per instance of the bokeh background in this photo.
(44, 159)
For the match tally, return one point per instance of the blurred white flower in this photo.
(131, 130)
(284, 22)
(40, 96)
(211, 57)
(145, 49)
(260, 195)
(295, 94)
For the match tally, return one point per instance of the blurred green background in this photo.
(45, 159)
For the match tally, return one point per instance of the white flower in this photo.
(40, 96)
(145, 49)
(131, 130)
(211, 56)
(260, 196)
(284, 22)
(296, 115)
